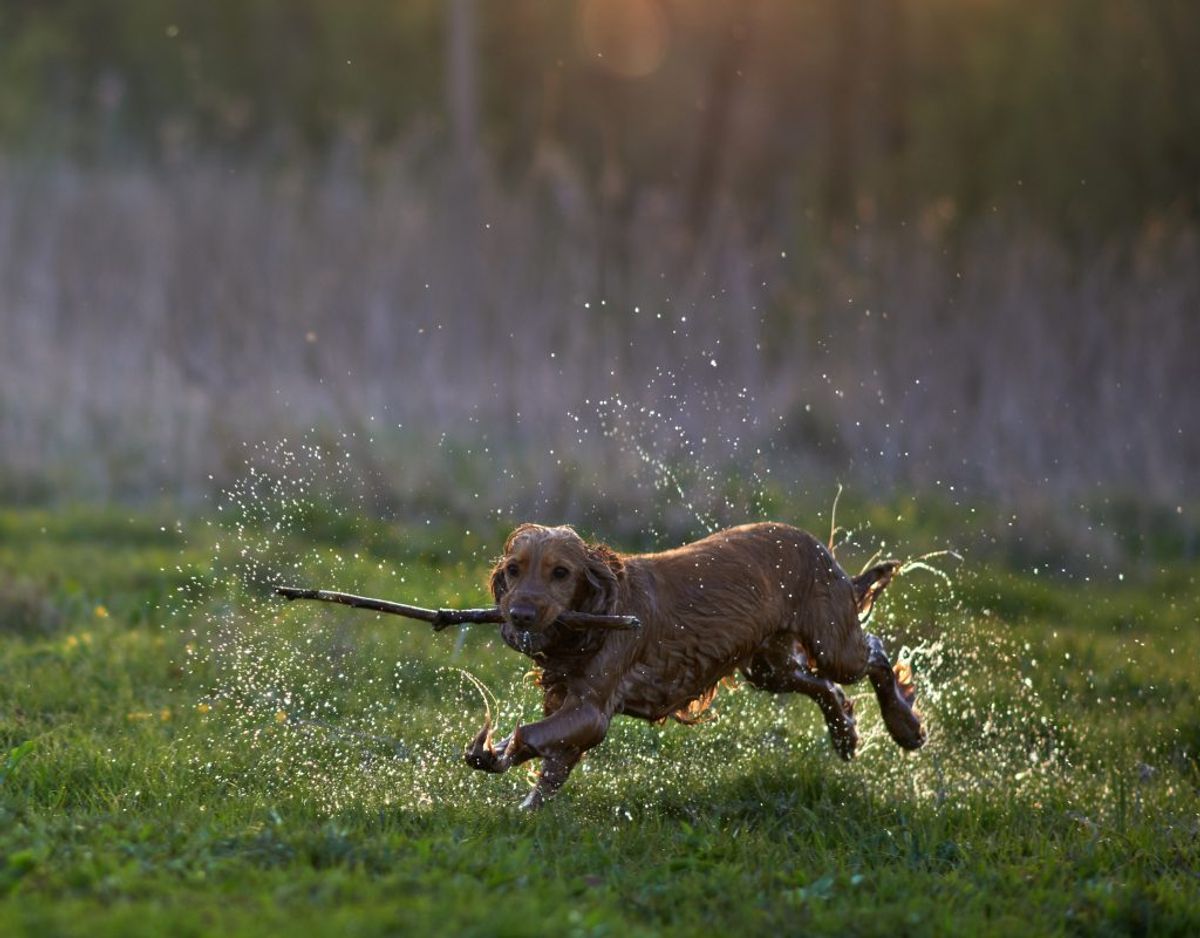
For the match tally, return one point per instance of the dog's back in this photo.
(709, 606)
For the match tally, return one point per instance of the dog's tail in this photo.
(871, 582)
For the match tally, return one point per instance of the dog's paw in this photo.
(903, 722)
(907, 729)
(844, 739)
(485, 756)
(843, 729)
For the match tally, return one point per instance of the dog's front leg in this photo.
(559, 740)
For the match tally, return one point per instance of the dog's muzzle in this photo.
(526, 641)
(522, 615)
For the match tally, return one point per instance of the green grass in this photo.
(203, 762)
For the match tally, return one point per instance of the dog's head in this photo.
(548, 571)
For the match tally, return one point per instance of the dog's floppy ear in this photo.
(602, 574)
(498, 582)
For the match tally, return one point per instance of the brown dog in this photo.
(767, 599)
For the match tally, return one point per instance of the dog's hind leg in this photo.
(783, 668)
(895, 693)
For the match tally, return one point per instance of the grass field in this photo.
(180, 756)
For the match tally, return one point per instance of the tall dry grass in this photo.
(155, 320)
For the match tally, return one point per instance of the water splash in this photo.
(682, 462)
(305, 703)
(336, 708)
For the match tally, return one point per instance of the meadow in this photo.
(181, 755)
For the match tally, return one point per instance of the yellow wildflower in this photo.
(280, 716)
(101, 612)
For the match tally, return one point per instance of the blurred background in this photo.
(509, 255)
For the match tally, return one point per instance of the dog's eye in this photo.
(512, 569)
(560, 573)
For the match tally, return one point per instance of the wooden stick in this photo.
(443, 618)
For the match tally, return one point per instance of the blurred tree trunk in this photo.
(844, 80)
(616, 197)
(462, 105)
(713, 140)
(894, 65)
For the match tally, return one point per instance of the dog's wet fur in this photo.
(768, 600)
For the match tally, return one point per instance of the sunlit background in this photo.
(940, 248)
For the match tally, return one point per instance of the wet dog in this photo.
(768, 600)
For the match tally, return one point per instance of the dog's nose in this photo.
(522, 614)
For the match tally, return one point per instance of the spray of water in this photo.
(337, 708)
(302, 702)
